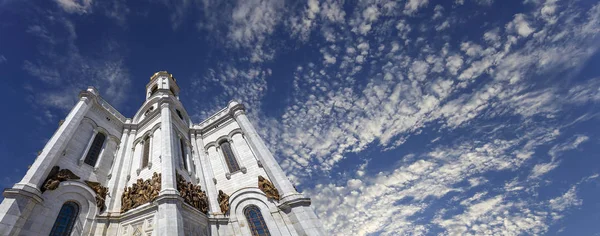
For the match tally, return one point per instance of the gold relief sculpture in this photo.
(268, 188)
(141, 192)
(56, 176)
(101, 192)
(192, 194)
(223, 201)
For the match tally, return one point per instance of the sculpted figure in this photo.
(192, 194)
(125, 200)
(56, 176)
(101, 192)
(156, 181)
(268, 188)
(223, 201)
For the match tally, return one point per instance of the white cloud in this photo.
(3, 59)
(64, 71)
(75, 6)
(412, 6)
(520, 25)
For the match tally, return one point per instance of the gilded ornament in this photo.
(101, 192)
(223, 201)
(140, 192)
(56, 176)
(192, 194)
(268, 188)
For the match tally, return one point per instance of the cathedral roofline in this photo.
(218, 117)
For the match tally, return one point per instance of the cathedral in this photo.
(157, 173)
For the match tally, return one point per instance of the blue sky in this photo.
(409, 117)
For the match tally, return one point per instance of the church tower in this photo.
(157, 173)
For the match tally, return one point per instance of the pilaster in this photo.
(208, 177)
(169, 217)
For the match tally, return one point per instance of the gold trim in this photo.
(162, 72)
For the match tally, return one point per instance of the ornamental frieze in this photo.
(192, 194)
(141, 192)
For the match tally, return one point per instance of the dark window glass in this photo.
(154, 89)
(182, 146)
(229, 157)
(146, 152)
(258, 227)
(179, 114)
(94, 152)
(65, 220)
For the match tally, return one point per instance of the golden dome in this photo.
(162, 72)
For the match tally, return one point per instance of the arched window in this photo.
(182, 146)
(229, 157)
(153, 90)
(146, 155)
(258, 227)
(65, 220)
(94, 152)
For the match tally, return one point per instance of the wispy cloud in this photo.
(64, 71)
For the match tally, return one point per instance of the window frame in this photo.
(145, 152)
(97, 147)
(70, 220)
(229, 158)
(252, 222)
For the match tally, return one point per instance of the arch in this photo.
(234, 132)
(149, 132)
(75, 191)
(63, 226)
(256, 221)
(245, 197)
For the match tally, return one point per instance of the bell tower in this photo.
(163, 82)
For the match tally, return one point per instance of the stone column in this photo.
(276, 174)
(208, 175)
(115, 177)
(294, 204)
(170, 220)
(22, 198)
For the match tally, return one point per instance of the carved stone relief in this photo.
(56, 176)
(192, 194)
(101, 192)
(268, 188)
(141, 192)
(223, 201)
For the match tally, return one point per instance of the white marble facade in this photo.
(162, 121)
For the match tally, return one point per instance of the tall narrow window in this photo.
(153, 90)
(94, 152)
(182, 146)
(146, 155)
(258, 227)
(65, 220)
(229, 157)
